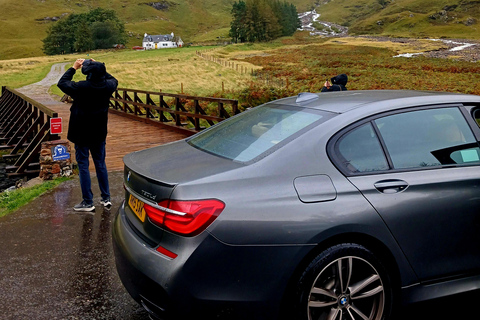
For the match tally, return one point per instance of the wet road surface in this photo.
(58, 264)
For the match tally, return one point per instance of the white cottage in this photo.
(161, 41)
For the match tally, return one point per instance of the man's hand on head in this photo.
(78, 64)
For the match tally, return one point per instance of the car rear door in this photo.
(420, 170)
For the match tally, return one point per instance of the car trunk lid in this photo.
(151, 175)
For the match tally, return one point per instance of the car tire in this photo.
(361, 290)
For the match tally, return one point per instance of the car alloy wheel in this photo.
(345, 282)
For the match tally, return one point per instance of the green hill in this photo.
(23, 24)
(406, 18)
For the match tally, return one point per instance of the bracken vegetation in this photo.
(307, 67)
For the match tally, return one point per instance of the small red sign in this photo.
(55, 125)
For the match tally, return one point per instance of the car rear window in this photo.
(254, 132)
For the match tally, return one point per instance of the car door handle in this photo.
(391, 186)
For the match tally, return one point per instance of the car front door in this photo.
(426, 188)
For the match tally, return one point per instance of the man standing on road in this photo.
(87, 127)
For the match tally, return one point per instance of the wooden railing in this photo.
(24, 125)
(183, 113)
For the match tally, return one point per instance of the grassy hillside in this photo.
(23, 24)
(406, 18)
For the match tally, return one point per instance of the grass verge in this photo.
(13, 200)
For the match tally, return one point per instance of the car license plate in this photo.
(137, 207)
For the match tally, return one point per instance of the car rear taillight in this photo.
(187, 218)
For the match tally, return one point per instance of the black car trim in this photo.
(468, 112)
(383, 145)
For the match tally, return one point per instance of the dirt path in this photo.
(39, 91)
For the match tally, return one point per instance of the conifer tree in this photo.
(237, 26)
(262, 20)
(272, 28)
(252, 21)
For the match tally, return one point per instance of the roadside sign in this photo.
(59, 153)
(55, 125)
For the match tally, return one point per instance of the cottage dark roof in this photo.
(158, 38)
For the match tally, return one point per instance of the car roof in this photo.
(345, 101)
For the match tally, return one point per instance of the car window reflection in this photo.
(259, 130)
(427, 138)
(361, 151)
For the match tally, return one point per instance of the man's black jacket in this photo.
(338, 83)
(89, 111)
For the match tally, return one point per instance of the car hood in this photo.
(177, 163)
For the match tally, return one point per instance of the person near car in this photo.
(338, 83)
(87, 127)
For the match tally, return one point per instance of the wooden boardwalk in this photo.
(124, 136)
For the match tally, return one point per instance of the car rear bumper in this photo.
(203, 279)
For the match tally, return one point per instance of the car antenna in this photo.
(305, 96)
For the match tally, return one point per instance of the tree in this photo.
(83, 38)
(97, 29)
(253, 30)
(237, 26)
(270, 21)
(262, 20)
(59, 39)
(105, 35)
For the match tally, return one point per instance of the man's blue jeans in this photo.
(98, 156)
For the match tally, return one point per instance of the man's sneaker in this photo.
(106, 203)
(85, 207)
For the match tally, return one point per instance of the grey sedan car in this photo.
(338, 205)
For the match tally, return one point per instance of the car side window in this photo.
(360, 150)
(427, 138)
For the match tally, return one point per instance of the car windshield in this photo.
(256, 131)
